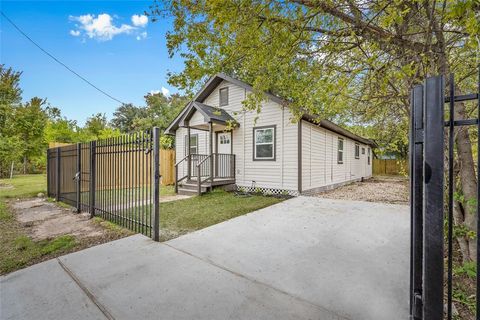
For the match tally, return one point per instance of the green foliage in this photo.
(468, 268)
(344, 61)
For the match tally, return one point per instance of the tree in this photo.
(160, 111)
(125, 116)
(350, 61)
(29, 125)
(10, 96)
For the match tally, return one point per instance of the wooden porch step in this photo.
(188, 192)
(216, 182)
(190, 187)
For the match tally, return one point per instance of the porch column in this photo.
(189, 160)
(210, 127)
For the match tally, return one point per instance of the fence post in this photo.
(93, 145)
(57, 186)
(433, 248)
(78, 175)
(156, 184)
(416, 202)
(48, 173)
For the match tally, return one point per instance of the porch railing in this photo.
(205, 168)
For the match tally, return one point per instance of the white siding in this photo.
(281, 173)
(319, 147)
(319, 158)
(197, 119)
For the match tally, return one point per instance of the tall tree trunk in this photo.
(24, 164)
(468, 181)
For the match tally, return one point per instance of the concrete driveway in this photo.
(305, 258)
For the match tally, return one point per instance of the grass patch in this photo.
(182, 216)
(23, 186)
(209, 209)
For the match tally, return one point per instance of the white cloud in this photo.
(139, 20)
(103, 28)
(152, 92)
(165, 92)
(142, 35)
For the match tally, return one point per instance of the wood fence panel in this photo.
(389, 167)
(167, 166)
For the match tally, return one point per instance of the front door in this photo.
(223, 161)
(224, 142)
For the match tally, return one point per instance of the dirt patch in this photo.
(378, 189)
(45, 220)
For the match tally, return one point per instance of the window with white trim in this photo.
(368, 156)
(193, 144)
(363, 150)
(340, 151)
(264, 143)
(357, 151)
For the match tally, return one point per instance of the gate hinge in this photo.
(417, 306)
(418, 135)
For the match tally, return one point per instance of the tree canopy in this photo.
(352, 62)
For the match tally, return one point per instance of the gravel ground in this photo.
(377, 189)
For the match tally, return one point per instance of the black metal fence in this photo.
(116, 179)
(427, 155)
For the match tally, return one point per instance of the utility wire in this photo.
(58, 61)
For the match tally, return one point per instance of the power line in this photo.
(58, 61)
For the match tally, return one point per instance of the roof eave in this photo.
(337, 129)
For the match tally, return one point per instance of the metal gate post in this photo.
(57, 187)
(156, 184)
(78, 175)
(49, 168)
(93, 145)
(433, 175)
(416, 201)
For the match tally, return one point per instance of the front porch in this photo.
(197, 173)
(204, 172)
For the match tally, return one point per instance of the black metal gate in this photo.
(117, 179)
(428, 201)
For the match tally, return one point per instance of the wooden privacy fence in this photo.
(167, 167)
(389, 167)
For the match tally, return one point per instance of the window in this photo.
(224, 139)
(363, 150)
(264, 143)
(223, 96)
(340, 151)
(193, 144)
(357, 151)
(368, 156)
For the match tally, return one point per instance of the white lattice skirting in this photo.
(267, 191)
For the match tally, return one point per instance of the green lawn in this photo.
(199, 212)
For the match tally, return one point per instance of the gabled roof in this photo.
(210, 113)
(214, 81)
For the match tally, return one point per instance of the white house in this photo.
(266, 152)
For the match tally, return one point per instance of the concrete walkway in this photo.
(305, 258)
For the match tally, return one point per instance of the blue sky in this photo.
(123, 55)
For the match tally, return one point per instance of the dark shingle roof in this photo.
(212, 113)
